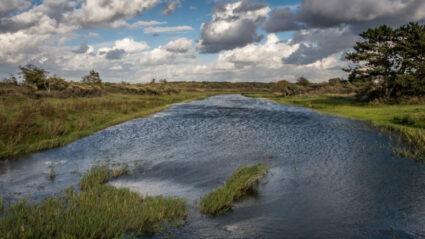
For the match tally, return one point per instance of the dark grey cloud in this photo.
(332, 26)
(317, 44)
(115, 54)
(84, 47)
(169, 8)
(233, 25)
(247, 6)
(358, 13)
(11, 7)
(281, 20)
(241, 34)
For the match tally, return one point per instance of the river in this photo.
(330, 177)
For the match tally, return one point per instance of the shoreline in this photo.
(384, 117)
(23, 150)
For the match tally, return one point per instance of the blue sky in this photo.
(202, 40)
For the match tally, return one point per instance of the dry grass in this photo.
(30, 125)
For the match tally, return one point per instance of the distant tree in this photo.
(34, 76)
(153, 81)
(92, 78)
(286, 88)
(335, 81)
(163, 81)
(11, 80)
(303, 81)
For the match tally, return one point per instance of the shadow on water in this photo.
(332, 177)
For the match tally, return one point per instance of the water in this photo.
(331, 177)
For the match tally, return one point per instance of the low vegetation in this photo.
(237, 186)
(98, 211)
(30, 125)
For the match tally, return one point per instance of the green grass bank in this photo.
(98, 211)
(406, 120)
(30, 125)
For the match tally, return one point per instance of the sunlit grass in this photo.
(99, 211)
(236, 187)
(30, 125)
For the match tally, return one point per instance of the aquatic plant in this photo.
(52, 174)
(237, 186)
(99, 211)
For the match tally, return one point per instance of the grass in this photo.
(98, 211)
(405, 120)
(30, 125)
(237, 186)
(52, 173)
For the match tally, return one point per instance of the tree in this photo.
(11, 80)
(34, 76)
(375, 60)
(390, 63)
(335, 81)
(411, 62)
(92, 78)
(303, 81)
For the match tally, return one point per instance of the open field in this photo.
(407, 120)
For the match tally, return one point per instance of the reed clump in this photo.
(237, 186)
(98, 211)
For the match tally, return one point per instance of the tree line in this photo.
(389, 63)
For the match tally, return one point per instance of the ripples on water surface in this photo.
(331, 177)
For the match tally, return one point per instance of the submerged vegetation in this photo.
(98, 211)
(237, 186)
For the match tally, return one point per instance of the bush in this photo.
(34, 76)
(286, 88)
(303, 81)
(92, 78)
(11, 80)
(57, 83)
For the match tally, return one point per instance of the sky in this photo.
(192, 40)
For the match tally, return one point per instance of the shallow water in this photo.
(331, 177)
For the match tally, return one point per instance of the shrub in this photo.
(34, 76)
(303, 81)
(92, 78)
(11, 80)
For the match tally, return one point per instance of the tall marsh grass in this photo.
(29, 125)
(98, 211)
(237, 186)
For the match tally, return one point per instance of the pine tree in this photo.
(410, 49)
(374, 60)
